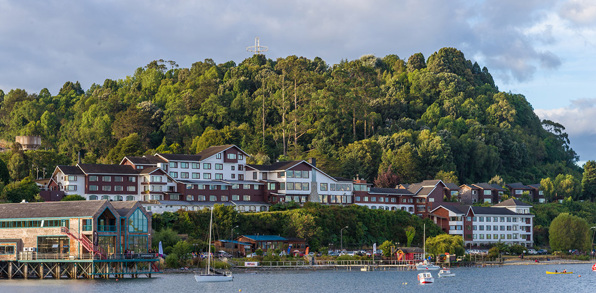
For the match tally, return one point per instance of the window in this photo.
(358, 198)
(290, 174)
(106, 178)
(173, 165)
(184, 165)
(246, 197)
(224, 198)
(270, 186)
(106, 188)
(93, 188)
(373, 199)
(132, 179)
(231, 156)
(131, 188)
(219, 176)
(245, 186)
(155, 178)
(218, 166)
(92, 178)
(174, 197)
(212, 198)
(240, 157)
(174, 174)
(224, 187)
(196, 175)
(281, 174)
(212, 187)
(305, 186)
(235, 186)
(236, 197)
(196, 165)
(218, 156)
(240, 176)
(137, 223)
(323, 186)
(70, 187)
(118, 179)
(184, 175)
(290, 186)
(207, 166)
(118, 188)
(487, 192)
(72, 177)
(206, 175)
(519, 192)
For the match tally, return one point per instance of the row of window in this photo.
(94, 178)
(211, 197)
(335, 187)
(207, 166)
(361, 187)
(109, 188)
(195, 175)
(7, 249)
(115, 197)
(488, 219)
(495, 236)
(221, 187)
(34, 224)
(293, 174)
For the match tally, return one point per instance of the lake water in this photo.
(527, 278)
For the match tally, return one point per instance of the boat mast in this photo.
(209, 243)
(423, 242)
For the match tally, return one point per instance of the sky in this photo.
(542, 49)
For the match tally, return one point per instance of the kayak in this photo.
(558, 273)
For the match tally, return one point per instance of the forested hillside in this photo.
(420, 118)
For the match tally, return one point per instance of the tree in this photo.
(567, 186)
(72, 197)
(387, 179)
(4, 173)
(589, 181)
(410, 233)
(548, 188)
(445, 243)
(447, 177)
(387, 248)
(569, 232)
(25, 189)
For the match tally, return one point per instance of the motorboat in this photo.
(594, 268)
(211, 275)
(426, 278)
(446, 273)
(558, 273)
(426, 266)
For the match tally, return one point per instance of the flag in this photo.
(160, 249)
(374, 248)
(289, 248)
(306, 252)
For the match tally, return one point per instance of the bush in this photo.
(172, 261)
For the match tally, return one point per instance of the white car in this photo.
(532, 251)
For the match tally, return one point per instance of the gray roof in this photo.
(123, 207)
(492, 211)
(204, 154)
(512, 203)
(497, 187)
(455, 207)
(70, 170)
(57, 209)
(108, 169)
(389, 191)
(452, 186)
(151, 160)
(517, 185)
(275, 166)
(484, 185)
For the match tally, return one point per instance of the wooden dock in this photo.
(55, 267)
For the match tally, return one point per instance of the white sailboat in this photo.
(425, 265)
(209, 275)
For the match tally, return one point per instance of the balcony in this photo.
(106, 228)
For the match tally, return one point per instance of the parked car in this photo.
(542, 251)
(532, 251)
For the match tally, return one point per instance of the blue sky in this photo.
(543, 49)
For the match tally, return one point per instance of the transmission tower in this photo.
(257, 48)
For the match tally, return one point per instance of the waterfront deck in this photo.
(59, 266)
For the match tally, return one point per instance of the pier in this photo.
(58, 266)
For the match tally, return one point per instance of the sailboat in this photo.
(211, 275)
(425, 265)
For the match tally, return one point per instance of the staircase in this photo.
(155, 267)
(84, 241)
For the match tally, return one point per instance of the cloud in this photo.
(579, 12)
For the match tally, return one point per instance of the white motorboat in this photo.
(211, 275)
(446, 273)
(426, 278)
(426, 266)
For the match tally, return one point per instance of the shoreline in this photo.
(254, 270)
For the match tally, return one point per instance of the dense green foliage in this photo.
(320, 225)
(569, 232)
(445, 243)
(73, 197)
(416, 118)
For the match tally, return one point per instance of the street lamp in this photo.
(341, 237)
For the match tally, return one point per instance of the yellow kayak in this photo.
(558, 273)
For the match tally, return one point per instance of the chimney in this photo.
(313, 161)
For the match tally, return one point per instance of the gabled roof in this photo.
(107, 169)
(124, 207)
(484, 186)
(428, 183)
(470, 186)
(265, 237)
(497, 187)
(491, 211)
(150, 160)
(425, 191)
(512, 203)
(452, 186)
(151, 170)
(517, 185)
(389, 191)
(342, 179)
(535, 186)
(454, 207)
(52, 209)
(202, 155)
(277, 166)
(70, 170)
